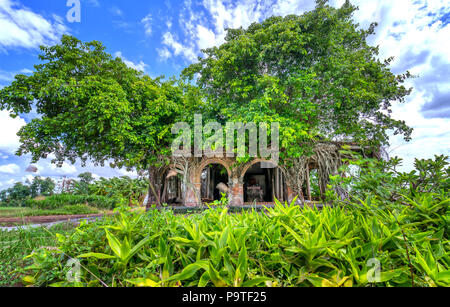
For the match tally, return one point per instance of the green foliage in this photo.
(403, 224)
(286, 246)
(222, 202)
(102, 193)
(81, 209)
(314, 184)
(82, 186)
(42, 187)
(64, 200)
(17, 244)
(428, 182)
(21, 192)
(16, 195)
(315, 74)
(92, 106)
(132, 191)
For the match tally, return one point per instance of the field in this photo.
(6, 212)
(14, 211)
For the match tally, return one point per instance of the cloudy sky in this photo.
(163, 37)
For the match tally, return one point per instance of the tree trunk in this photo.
(153, 188)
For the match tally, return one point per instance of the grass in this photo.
(6, 212)
(15, 245)
(14, 212)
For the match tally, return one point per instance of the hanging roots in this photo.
(296, 174)
(329, 160)
(326, 157)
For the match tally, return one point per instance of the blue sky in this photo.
(163, 37)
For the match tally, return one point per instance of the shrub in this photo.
(285, 246)
(64, 210)
(61, 200)
(392, 221)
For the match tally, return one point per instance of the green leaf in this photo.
(189, 271)
(215, 276)
(114, 244)
(96, 255)
(254, 282)
(143, 282)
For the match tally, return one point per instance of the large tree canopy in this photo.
(315, 74)
(93, 107)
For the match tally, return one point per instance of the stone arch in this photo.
(205, 163)
(274, 185)
(168, 175)
(250, 164)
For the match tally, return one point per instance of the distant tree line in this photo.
(131, 191)
(20, 192)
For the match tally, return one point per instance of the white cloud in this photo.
(21, 27)
(116, 11)
(207, 28)
(169, 24)
(7, 183)
(206, 37)
(8, 76)
(164, 54)
(124, 172)
(27, 178)
(66, 169)
(178, 48)
(10, 169)
(9, 141)
(414, 33)
(147, 22)
(138, 66)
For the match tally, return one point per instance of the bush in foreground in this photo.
(287, 246)
(392, 229)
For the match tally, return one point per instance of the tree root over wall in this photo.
(328, 161)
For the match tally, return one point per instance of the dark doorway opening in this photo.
(172, 191)
(263, 183)
(212, 176)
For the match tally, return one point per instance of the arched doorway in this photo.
(214, 180)
(172, 189)
(264, 182)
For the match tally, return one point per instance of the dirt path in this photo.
(15, 221)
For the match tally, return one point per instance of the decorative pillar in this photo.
(237, 193)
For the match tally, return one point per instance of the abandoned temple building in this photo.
(192, 182)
